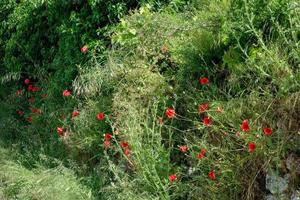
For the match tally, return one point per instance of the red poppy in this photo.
(26, 81)
(44, 95)
(107, 136)
(100, 116)
(75, 114)
(36, 110)
(84, 49)
(29, 119)
(203, 81)
(30, 87)
(200, 156)
(183, 148)
(170, 113)
(20, 112)
(251, 147)
(203, 107)
(35, 89)
(124, 145)
(106, 144)
(19, 92)
(60, 131)
(31, 100)
(245, 126)
(126, 152)
(66, 93)
(207, 121)
(212, 175)
(172, 177)
(267, 131)
(203, 151)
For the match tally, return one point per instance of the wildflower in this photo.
(267, 131)
(203, 81)
(26, 81)
(212, 175)
(238, 134)
(29, 119)
(107, 136)
(251, 147)
(203, 107)
(84, 49)
(44, 95)
(126, 152)
(66, 93)
(60, 131)
(29, 88)
(170, 113)
(203, 151)
(106, 144)
(36, 110)
(245, 126)
(207, 121)
(172, 177)
(20, 112)
(31, 100)
(124, 145)
(200, 156)
(19, 92)
(75, 114)
(183, 148)
(100, 116)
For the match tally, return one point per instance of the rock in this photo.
(295, 195)
(276, 184)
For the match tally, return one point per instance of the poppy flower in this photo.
(200, 156)
(31, 100)
(126, 152)
(26, 81)
(212, 175)
(107, 136)
(66, 93)
(203, 151)
(207, 121)
(19, 92)
(106, 144)
(29, 88)
(60, 131)
(245, 126)
(172, 177)
(124, 144)
(203, 81)
(29, 119)
(35, 89)
(251, 147)
(75, 114)
(267, 131)
(20, 112)
(183, 148)
(44, 95)
(84, 49)
(36, 110)
(170, 113)
(100, 116)
(203, 107)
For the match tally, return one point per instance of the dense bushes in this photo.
(151, 60)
